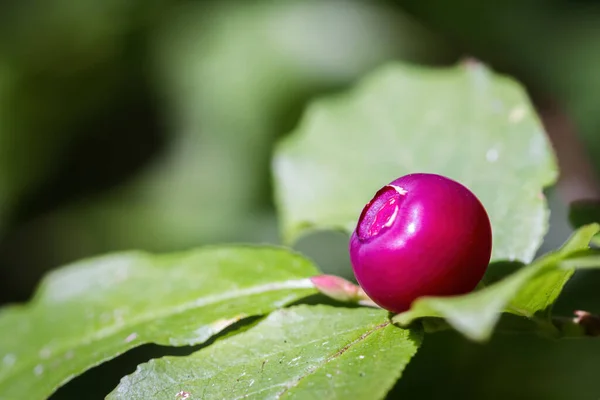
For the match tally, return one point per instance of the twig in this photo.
(589, 322)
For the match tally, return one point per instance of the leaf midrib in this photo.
(332, 357)
(111, 330)
(266, 356)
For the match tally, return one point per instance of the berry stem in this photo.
(342, 290)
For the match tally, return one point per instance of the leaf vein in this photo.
(154, 315)
(337, 354)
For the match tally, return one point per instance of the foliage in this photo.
(226, 80)
(348, 147)
(91, 311)
(338, 353)
(94, 310)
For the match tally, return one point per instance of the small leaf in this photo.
(464, 122)
(530, 292)
(304, 352)
(96, 309)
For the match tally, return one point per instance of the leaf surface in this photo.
(465, 122)
(304, 352)
(96, 309)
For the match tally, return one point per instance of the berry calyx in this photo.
(421, 235)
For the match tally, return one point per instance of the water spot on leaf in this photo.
(131, 337)
(9, 360)
(45, 353)
(492, 155)
(38, 370)
(517, 114)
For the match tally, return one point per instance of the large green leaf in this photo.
(462, 122)
(94, 310)
(529, 292)
(305, 352)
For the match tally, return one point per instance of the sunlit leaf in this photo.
(305, 352)
(463, 122)
(96, 309)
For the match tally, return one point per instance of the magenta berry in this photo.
(421, 235)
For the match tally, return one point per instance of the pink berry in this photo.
(421, 235)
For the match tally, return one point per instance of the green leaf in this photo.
(304, 352)
(463, 122)
(530, 292)
(96, 309)
(590, 260)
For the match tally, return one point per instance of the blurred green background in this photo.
(150, 124)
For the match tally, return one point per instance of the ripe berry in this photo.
(421, 235)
